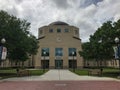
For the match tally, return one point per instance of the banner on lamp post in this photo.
(0, 52)
(115, 48)
(4, 53)
(116, 51)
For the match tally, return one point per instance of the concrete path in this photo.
(53, 75)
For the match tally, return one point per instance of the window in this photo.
(76, 31)
(41, 31)
(66, 30)
(58, 30)
(45, 52)
(71, 50)
(51, 30)
(58, 52)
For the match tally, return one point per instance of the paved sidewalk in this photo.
(59, 74)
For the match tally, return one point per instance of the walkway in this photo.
(60, 85)
(59, 75)
(60, 80)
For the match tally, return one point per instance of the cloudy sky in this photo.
(88, 15)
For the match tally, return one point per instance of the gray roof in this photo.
(59, 23)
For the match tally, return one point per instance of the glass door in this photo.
(58, 64)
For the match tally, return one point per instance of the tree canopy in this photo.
(19, 42)
(100, 45)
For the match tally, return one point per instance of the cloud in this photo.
(87, 15)
(61, 4)
(19, 1)
(86, 3)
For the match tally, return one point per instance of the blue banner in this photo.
(117, 51)
(1, 52)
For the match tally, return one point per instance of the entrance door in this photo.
(72, 64)
(58, 64)
(45, 63)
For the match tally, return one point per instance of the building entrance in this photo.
(45, 64)
(58, 64)
(72, 64)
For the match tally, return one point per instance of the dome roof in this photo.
(59, 23)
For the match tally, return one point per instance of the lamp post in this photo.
(101, 58)
(3, 40)
(117, 40)
(44, 65)
(73, 62)
(3, 50)
(99, 42)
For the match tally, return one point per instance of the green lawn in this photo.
(114, 73)
(107, 72)
(37, 72)
(80, 71)
(7, 73)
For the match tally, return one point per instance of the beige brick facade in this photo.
(59, 39)
(59, 44)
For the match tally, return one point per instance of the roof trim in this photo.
(58, 23)
(76, 38)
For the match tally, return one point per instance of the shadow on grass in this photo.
(110, 74)
(7, 75)
(107, 72)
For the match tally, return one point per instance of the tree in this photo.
(102, 51)
(86, 51)
(20, 43)
(106, 34)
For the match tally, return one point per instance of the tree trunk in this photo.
(97, 63)
(22, 63)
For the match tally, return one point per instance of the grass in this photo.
(107, 72)
(7, 73)
(114, 73)
(80, 71)
(37, 72)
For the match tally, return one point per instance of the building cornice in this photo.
(76, 38)
(41, 37)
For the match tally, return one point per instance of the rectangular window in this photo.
(45, 52)
(58, 52)
(72, 51)
(41, 31)
(58, 30)
(66, 30)
(51, 30)
(76, 31)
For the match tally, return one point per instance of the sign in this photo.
(0, 51)
(3, 53)
(116, 52)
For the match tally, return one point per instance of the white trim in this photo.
(58, 57)
(71, 57)
(45, 57)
